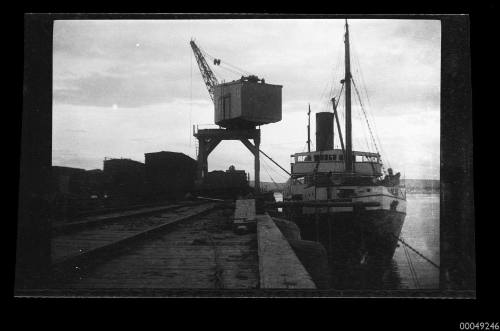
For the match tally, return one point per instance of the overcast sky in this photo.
(125, 88)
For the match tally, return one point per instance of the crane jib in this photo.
(207, 74)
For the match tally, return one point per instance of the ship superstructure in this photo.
(368, 204)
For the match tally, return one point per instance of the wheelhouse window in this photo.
(366, 158)
(299, 180)
(303, 158)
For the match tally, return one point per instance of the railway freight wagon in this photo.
(124, 178)
(66, 180)
(76, 182)
(74, 190)
(169, 174)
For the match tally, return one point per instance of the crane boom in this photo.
(208, 76)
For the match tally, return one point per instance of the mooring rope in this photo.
(417, 252)
(413, 272)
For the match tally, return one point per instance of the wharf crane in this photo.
(239, 107)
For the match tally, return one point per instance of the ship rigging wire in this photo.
(191, 102)
(335, 74)
(359, 70)
(364, 113)
(363, 133)
(330, 89)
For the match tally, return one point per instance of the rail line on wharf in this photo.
(77, 245)
(146, 252)
(79, 223)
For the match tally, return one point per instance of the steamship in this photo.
(341, 197)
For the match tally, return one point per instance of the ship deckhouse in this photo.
(332, 161)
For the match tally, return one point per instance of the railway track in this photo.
(104, 210)
(189, 247)
(78, 246)
(115, 215)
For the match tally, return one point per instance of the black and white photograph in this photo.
(228, 156)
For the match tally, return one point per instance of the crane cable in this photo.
(266, 168)
(235, 69)
(206, 55)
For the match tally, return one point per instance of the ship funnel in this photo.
(324, 131)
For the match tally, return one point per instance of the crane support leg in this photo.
(209, 139)
(206, 146)
(255, 150)
(202, 160)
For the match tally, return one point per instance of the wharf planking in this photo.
(279, 267)
(202, 253)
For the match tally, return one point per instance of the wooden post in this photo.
(201, 158)
(35, 197)
(257, 162)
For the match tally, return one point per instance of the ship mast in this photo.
(348, 125)
(309, 130)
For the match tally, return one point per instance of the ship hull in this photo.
(355, 242)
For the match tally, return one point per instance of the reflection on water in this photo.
(421, 231)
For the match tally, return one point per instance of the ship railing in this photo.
(325, 203)
(398, 190)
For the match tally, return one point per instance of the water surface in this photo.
(421, 231)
